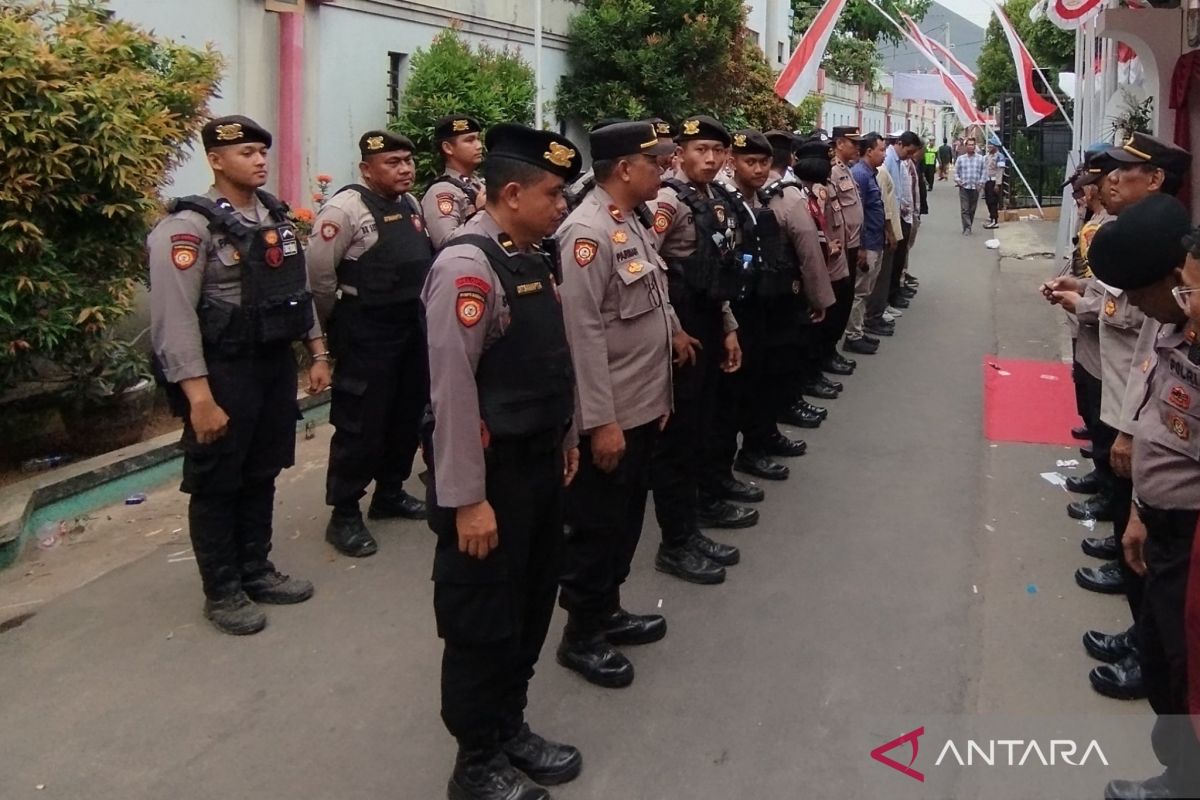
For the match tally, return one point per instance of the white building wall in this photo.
(770, 22)
(347, 45)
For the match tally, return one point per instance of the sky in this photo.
(977, 11)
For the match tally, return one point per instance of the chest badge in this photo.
(1179, 398)
(534, 287)
(634, 267)
(1180, 428)
(1110, 307)
(417, 223)
(271, 238)
(620, 237)
(720, 212)
(274, 257)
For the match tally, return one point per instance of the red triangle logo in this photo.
(909, 738)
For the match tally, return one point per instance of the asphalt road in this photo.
(887, 582)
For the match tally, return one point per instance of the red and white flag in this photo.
(962, 68)
(963, 107)
(1066, 14)
(799, 77)
(1037, 107)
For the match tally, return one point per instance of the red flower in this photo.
(323, 178)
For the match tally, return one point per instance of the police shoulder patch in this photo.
(445, 204)
(472, 283)
(329, 230)
(585, 251)
(469, 307)
(662, 220)
(184, 254)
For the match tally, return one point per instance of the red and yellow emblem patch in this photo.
(1110, 307)
(183, 255)
(585, 251)
(445, 204)
(1179, 398)
(469, 306)
(329, 230)
(662, 219)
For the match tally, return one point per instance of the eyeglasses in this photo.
(1180, 294)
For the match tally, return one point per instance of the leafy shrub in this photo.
(94, 113)
(490, 85)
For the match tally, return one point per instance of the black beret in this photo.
(850, 132)
(750, 142)
(233, 130)
(1142, 245)
(627, 139)
(1142, 148)
(455, 125)
(372, 143)
(781, 140)
(664, 129)
(702, 128)
(815, 146)
(606, 121)
(550, 151)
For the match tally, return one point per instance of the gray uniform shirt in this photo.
(1120, 324)
(188, 262)
(466, 311)
(343, 230)
(1087, 329)
(791, 209)
(674, 233)
(619, 319)
(1166, 440)
(846, 191)
(835, 230)
(447, 207)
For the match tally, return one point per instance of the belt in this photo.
(1167, 518)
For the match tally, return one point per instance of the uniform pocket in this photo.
(346, 405)
(1179, 411)
(472, 598)
(638, 294)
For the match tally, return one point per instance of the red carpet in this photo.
(1028, 401)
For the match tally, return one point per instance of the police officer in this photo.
(367, 262)
(801, 257)
(694, 233)
(458, 194)
(587, 179)
(849, 205)
(229, 296)
(666, 135)
(1142, 253)
(1144, 166)
(620, 326)
(502, 396)
(743, 399)
(813, 169)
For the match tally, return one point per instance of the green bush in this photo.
(637, 58)
(450, 78)
(94, 113)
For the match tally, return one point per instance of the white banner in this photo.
(926, 86)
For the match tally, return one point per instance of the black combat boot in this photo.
(548, 763)
(396, 503)
(349, 535)
(235, 613)
(486, 774)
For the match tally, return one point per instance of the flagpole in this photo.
(1057, 102)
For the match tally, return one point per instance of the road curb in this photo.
(19, 501)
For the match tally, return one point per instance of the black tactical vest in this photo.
(781, 274)
(525, 380)
(276, 305)
(713, 270)
(470, 191)
(393, 270)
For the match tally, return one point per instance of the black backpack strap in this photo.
(462, 186)
(275, 207)
(219, 218)
(687, 195)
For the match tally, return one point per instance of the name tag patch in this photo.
(529, 288)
